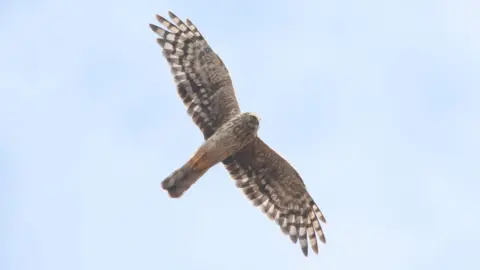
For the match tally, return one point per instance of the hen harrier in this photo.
(205, 87)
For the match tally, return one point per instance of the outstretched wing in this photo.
(271, 183)
(202, 80)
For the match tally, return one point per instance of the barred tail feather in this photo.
(181, 180)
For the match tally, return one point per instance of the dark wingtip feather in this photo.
(153, 27)
(322, 238)
(305, 250)
(160, 18)
(294, 238)
(322, 219)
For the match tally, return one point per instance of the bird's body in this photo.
(268, 180)
(230, 138)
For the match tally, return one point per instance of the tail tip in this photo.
(171, 184)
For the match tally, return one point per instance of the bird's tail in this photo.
(181, 180)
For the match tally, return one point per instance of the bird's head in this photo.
(253, 120)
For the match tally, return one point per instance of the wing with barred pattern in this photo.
(203, 82)
(271, 183)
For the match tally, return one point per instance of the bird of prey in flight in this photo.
(267, 179)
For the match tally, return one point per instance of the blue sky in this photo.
(374, 102)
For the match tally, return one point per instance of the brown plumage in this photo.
(227, 140)
(269, 181)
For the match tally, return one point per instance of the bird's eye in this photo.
(254, 119)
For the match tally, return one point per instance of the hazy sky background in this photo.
(376, 103)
